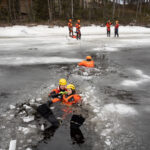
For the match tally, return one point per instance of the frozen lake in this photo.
(32, 59)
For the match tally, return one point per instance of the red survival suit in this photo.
(108, 25)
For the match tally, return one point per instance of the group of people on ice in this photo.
(78, 27)
(66, 95)
(78, 32)
(116, 26)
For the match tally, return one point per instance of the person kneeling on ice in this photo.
(87, 63)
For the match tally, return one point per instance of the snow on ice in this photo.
(142, 78)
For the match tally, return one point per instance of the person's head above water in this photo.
(62, 83)
(70, 89)
(88, 58)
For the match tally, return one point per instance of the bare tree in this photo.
(49, 11)
(114, 8)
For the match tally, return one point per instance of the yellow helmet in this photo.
(71, 86)
(62, 81)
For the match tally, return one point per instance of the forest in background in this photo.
(133, 12)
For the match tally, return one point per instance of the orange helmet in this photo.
(70, 20)
(88, 57)
(78, 21)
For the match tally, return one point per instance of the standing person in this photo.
(78, 29)
(70, 27)
(108, 25)
(116, 28)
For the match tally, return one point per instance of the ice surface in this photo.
(38, 99)
(26, 107)
(41, 41)
(142, 78)
(24, 130)
(36, 60)
(12, 107)
(120, 108)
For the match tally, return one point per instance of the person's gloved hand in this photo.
(62, 93)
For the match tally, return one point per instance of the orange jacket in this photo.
(77, 26)
(68, 100)
(70, 25)
(89, 64)
(72, 99)
(54, 93)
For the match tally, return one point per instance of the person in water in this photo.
(89, 63)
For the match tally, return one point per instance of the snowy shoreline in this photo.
(43, 30)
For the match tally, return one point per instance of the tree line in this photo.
(126, 11)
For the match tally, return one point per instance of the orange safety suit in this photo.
(55, 92)
(68, 100)
(85, 63)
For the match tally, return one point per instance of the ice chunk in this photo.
(119, 108)
(28, 119)
(32, 126)
(11, 116)
(42, 127)
(29, 140)
(26, 107)
(108, 142)
(28, 149)
(22, 113)
(38, 99)
(32, 101)
(24, 130)
(52, 108)
(106, 132)
(12, 106)
(3, 127)
(85, 73)
(12, 145)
